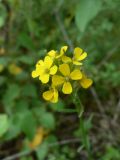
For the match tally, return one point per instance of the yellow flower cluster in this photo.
(61, 72)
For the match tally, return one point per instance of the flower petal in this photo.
(62, 51)
(53, 70)
(48, 95)
(77, 63)
(44, 78)
(52, 53)
(39, 63)
(57, 80)
(86, 82)
(66, 59)
(35, 74)
(51, 95)
(76, 74)
(67, 88)
(77, 52)
(82, 56)
(40, 67)
(48, 62)
(64, 69)
(55, 96)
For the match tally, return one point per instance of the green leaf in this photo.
(47, 120)
(42, 53)
(12, 92)
(2, 80)
(26, 60)
(86, 11)
(42, 151)
(3, 15)
(111, 153)
(51, 139)
(25, 40)
(23, 120)
(15, 122)
(29, 90)
(29, 125)
(38, 109)
(4, 60)
(21, 106)
(26, 158)
(10, 95)
(58, 106)
(4, 124)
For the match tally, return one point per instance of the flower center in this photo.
(47, 70)
(67, 78)
(74, 59)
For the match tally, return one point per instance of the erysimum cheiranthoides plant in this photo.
(61, 73)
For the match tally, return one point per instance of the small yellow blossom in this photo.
(38, 71)
(51, 95)
(66, 59)
(62, 55)
(14, 69)
(62, 51)
(38, 139)
(85, 82)
(61, 72)
(66, 77)
(44, 69)
(2, 51)
(53, 54)
(1, 67)
(78, 56)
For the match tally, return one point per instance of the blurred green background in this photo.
(28, 29)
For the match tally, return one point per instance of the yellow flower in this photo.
(1, 67)
(62, 55)
(62, 51)
(38, 138)
(53, 54)
(67, 74)
(51, 95)
(14, 69)
(44, 69)
(38, 71)
(65, 79)
(85, 82)
(78, 56)
(2, 51)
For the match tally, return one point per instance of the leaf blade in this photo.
(86, 11)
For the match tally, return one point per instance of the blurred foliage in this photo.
(111, 153)
(28, 29)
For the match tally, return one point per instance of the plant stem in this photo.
(85, 138)
(80, 110)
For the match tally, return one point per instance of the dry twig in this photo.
(25, 153)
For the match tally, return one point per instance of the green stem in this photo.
(78, 104)
(85, 139)
(80, 110)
